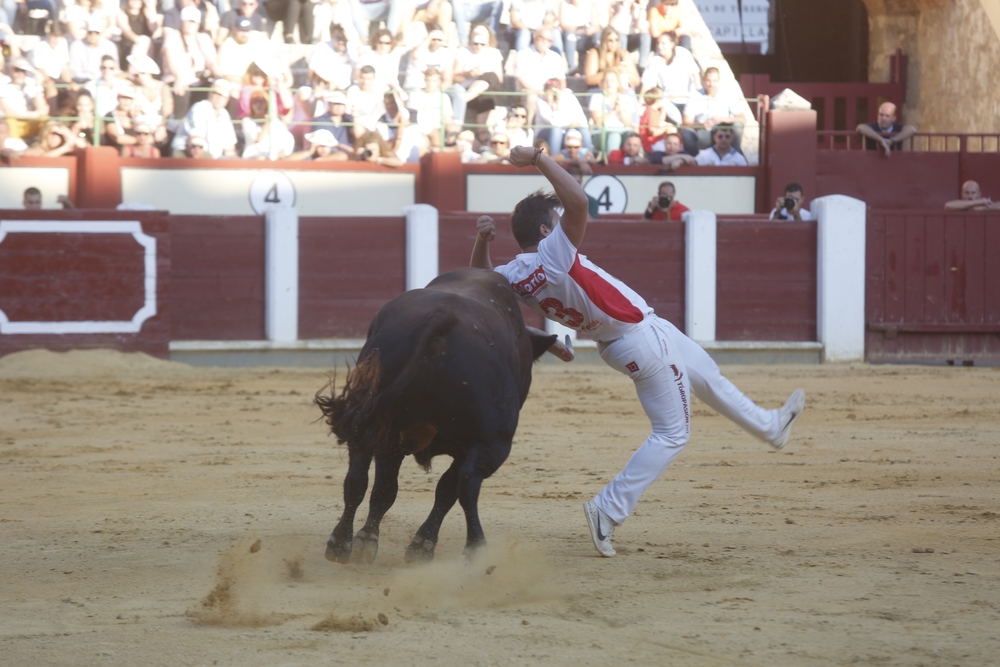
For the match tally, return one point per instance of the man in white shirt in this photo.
(673, 70)
(535, 66)
(365, 101)
(789, 206)
(334, 60)
(552, 278)
(709, 108)
(721, 153)
(85, 54)
(243, 46)
(210, 120)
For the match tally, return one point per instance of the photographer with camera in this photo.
(665, 206)
(789, 205)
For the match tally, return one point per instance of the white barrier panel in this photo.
(281, 274)
(421, 245)
(699, 274)
(840, 280)
(52, 181)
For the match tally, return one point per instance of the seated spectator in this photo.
(208, 21)
(365, 100)
(143, 146)
(249, 9)
(189, 59)
(630, 152)
(468, 12)
(464, 144)
(105, 88)
(630, 19)
(972, 200)
(313, 103)
(499, 149)
(664, 206)
(478, 69)
(264, 135)
(657, 121)
(517, 130)
(138, 22)
(384, 57)
(666, 17)
(85, 54)
(153, 98)
(580, 24)
(84, 15)
(527, 16)
(574, 152)
(673, 70)
(81, 107)
(559, 110)
(22, 100)
(368, 13)
(434, 111)
(371, 147)
(255, 80)
(333, 61)
(209, 120)
(51, 60)
(242, 48)
(612, 112)
(609, 56)
(673, 155)
(119, 127)
(537, 65)
(706, 109)
(789, 206)
(721, 153)
(338, 122)
(405, 139)
(323, 147)
(195, 147)
(886, 134)
(434, 52)
(55, 140)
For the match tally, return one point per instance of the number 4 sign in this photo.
(271, 189)
(609, 192)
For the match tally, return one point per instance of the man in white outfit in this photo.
(551, 277)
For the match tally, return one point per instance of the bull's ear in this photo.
(539, 344)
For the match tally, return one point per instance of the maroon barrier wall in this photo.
(348, 269)
(765, 280)
(218, 277)
(74, 277)
(906, 180)
(932, 292)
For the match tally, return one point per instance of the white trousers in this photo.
(666, 367)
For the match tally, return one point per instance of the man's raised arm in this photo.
(569, 192)
(486, 231)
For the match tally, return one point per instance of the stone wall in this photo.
(954, 60)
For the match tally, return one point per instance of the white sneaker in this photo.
(788, 413)
(601, 528)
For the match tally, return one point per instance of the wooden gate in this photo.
(933, 289)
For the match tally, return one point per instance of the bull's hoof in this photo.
(365, 547)
(472, 550)
(338, 551)
(420, 551)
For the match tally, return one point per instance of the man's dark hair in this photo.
(530, 214)
(660, 186)
(32, 191)
(367, 69)
(105, 59)
(793, 187)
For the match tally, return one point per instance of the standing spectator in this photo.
(143, 146)
(368, 13)
(264, 135)
(708, 108)
(972, 200)
(105, 88)
(22, 100)
(323, 147)
(607, 56)
(528, 16)
(517, 130)
(673, 155)
(209, 120)
(478, 69)
(138, 22)
(332, 60)
(241, 49)
(579, 23)
(657, 121)
(537, 65)
(249, 9)
(467, 12)
(558, 110)
(673, 70)
(721, 153)
(666, 17)
(789, 206)
(365, 100)
(85, 54)
(664, 206)
(189, 58)
(885, 134)
(384, 57)
(611, 112)
(630, 153)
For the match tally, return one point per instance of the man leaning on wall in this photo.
(886, 134)
(972, 200)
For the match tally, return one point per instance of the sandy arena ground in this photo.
(156, 514)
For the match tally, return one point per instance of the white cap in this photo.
(322, 138)
(143, 64)
(191, 14)
(94, 24)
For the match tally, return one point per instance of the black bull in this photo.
(445, 370)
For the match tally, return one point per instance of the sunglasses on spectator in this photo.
(500, 142)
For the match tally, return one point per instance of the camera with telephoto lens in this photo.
(665, 201)
(789, 203)
(367, 153)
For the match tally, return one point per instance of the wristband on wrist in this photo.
(534, 160)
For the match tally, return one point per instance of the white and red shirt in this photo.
(565, 286)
